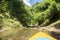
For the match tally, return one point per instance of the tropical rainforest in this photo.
(14, 14)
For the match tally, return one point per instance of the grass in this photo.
(18, 34)
(12, 33)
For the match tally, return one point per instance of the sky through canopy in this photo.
(31, 2)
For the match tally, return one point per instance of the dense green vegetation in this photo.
(14, 14)
(46, 11)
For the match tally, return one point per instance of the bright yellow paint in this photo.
(41, 34)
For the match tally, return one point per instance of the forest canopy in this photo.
(12, 11)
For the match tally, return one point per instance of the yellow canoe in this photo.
(42, 36)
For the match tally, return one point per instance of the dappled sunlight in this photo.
(21, 19)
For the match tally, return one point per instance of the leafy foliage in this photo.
(35, 15)
(14, 14)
